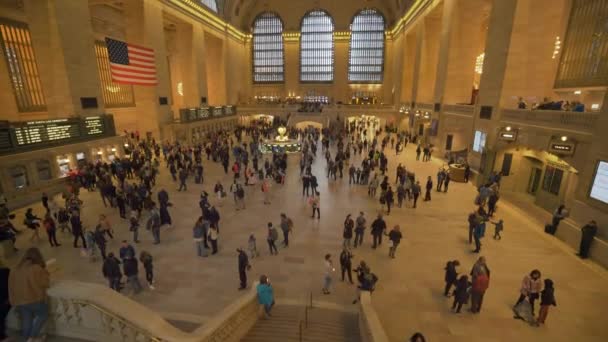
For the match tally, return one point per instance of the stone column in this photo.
(63, 41)
(144, 22)
(417, 62)
(199, 71)
(491, 83)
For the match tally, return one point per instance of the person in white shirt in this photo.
(329, 270)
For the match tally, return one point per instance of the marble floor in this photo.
(409, 292)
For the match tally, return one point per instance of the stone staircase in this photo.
(324, 325)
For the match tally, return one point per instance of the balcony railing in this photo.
(467, 110)
(572, 121)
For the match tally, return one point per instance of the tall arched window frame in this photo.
(268, 54)
(366, 53)
(317, 47)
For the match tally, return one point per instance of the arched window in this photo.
(268, 61)
(317, 47)
(211, 4)
(366, 59)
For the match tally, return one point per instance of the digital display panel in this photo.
(599, 187)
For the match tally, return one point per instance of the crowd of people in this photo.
(129, 186)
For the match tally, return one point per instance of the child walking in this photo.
(146, 259)
(547, 298)
(498, 227)
(461, 293)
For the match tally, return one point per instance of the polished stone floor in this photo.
(409, 293)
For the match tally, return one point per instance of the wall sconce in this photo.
(577, 92)
(508, 128)
(100, 152)
(126, 145)
(564, 138)
(113, 149)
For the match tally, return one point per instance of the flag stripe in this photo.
(129, 69)
(131, 64)
(134, 76)
(140, 47)
(140, 55)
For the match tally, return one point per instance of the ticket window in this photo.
(112, 154)
(64, 165)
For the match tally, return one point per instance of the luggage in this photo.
(550, 229)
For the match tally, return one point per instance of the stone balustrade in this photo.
(571, 121)
(95, 313)
(370, 328)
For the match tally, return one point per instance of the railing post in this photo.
(300, 331)
(311, 299)
(306, 317)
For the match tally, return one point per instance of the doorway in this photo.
(534, 180)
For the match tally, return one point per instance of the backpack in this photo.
(240, 193)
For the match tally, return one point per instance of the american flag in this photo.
(131, 64)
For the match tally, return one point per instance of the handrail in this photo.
(306, 317)
(300, 330)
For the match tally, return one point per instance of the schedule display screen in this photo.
(599, 187)
(35, 132)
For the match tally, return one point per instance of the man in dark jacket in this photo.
(130, 269)
(214, 217)
(451, 275)
(395, 236)
(243, 267)
(100, 240)
(346, 264)
(588, 233)
(77, 229)
(360, 229)
(126, 251)
(378, 228)
(111, 271)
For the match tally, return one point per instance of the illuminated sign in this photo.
(508, 135)
(562, 148)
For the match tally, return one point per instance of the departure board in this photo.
(35, 132)
(94, 125)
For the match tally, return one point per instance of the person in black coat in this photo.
(5, 306)
(346, 264)
(429, 187)
(214, 217)
(451, 275)
(111, 271)
(77, 230)
(243, 267)
(378, 228)
(130, 269)
(461, 293)
(588, 233)
(100, 240)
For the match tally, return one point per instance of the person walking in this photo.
(389, 199)
(315, 203)
(243, 263)
(199, 236)
(286, 227)
(111, 271)
(451, 275)
(266, 190)
(146, 259)
(240, 197)
(395, 237)
(212, 237)
(106, 226)
(472, 219)
(461, 293)
(130, 269)
(479, 287)
(429, 187)
(272, 238)
(498, 227)
(347, 235)
(126, 251)
(100, 240)
(51, 229)
(153, 223)
(530, 289)
(416, 190)
(134, 227)
(588, 233)
(346, 264)
(265, 294)
(77, 229)
(360, 229)
(378, 228)
(28, 283)
(547, 298)
(478, 233)
(183, 176)
(328, 274)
